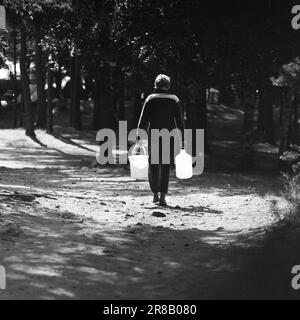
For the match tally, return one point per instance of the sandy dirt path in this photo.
(69, 231)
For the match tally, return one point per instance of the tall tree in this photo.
(29, 124)
(40, 79)
(50, 78)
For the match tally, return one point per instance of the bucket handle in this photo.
(138, 147)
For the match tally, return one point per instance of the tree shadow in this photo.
(190, 210)
(23, 157)
(36, 140)
(68, 155)
(59, 259)
(56, 259)
(266, 265)
(70, 141)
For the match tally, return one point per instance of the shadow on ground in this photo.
(142, 262)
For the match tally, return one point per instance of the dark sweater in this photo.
(161, 111)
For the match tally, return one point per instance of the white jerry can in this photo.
(184, 165)
(139, 164)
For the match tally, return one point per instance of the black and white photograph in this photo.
(149, 152)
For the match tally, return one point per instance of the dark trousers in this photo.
(159, 175)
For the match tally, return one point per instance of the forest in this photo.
(109, 52)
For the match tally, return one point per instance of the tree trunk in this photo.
(261, 104)
(193, 115)
(58, 80)
(75, 93)
(122, 97)
(296, 121)
(248, 99)
(29, 126)
(96, 114)
(261, 111)
(102, 113)
(72, 69)
(284, 129)
(248, 124)
(225, 94)
(266, 120)
(203, 107)
(40, 81)
(137, 105)
(197, 111)
(49, 99)
(293, 127)
(16, 91)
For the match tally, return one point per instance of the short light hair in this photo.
(162, 81)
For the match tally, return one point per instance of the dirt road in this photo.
(69, 231)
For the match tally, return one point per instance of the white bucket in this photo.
(139, 164)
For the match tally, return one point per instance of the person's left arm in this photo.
(179, 119)
(144, 117)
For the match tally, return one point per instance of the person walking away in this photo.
(161, 110)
